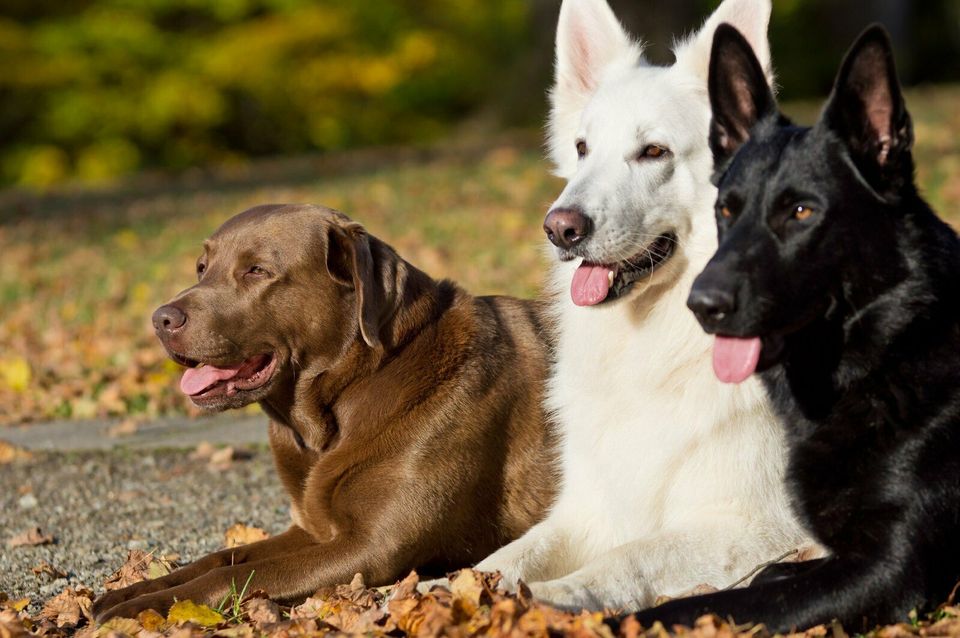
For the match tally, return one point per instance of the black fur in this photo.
(858, 305)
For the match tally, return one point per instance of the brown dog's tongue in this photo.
(734, 360)
(196, 380)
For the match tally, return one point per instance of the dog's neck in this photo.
(313, 405)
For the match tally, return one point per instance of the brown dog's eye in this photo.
(653, 151)
(257, 271)
(581, 149)
(801, 213)
(200, 268)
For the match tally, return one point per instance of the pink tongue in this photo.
(590, 284)
(734, 360)
(196, 380)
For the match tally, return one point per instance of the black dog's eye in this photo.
(581, 149)
(653, 151)
(725, 212)
(801, 213)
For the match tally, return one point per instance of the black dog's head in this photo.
(794, 203)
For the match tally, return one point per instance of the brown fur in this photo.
(406, 418)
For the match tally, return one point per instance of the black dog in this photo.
(837, 281)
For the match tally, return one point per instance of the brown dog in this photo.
(405, 414)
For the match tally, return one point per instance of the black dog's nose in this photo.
(168, 318)
(567, 227)
(711, 304)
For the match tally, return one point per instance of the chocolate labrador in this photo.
(405, 414)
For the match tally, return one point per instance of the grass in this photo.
(231, 607)
(82, 270)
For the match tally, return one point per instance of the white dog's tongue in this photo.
(196, 380)
(734, 360)
(591, 283)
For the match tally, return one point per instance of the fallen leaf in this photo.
(69, 607)
(10, 453)
(188, 611)
(15, 373)
(31, 537)
(261, 611)
(240, 534)
(151, 620)
(126, 427)
(43, 568)
(466, 589)
(223, 458)
(139, 566)
(203, 451)
(122, 626)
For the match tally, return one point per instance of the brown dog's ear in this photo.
(372, 269)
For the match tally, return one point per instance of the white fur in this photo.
(670, 478)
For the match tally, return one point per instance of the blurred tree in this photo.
(97, 88)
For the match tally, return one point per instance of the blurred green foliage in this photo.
(92, 89)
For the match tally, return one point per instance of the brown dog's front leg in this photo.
(262, 550)
(290, 575)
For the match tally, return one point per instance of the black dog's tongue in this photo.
(734, 360)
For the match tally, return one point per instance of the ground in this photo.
(83, 269)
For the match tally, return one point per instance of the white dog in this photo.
(670, 479)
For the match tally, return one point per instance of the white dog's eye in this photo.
(581, 149)
(653, 151)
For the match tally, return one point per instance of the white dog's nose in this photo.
(567, 227)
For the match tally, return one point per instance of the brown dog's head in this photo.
(282, 290)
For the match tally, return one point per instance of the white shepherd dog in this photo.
(671, 479)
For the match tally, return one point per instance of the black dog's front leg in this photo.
(857, 593)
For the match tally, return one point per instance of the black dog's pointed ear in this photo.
(739, 93)
(373, 269)
(866, 109)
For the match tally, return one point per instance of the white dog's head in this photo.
(631, 140)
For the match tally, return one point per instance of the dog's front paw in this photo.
(160, 602)
(111, 599)
(564, 595)
(424, 586)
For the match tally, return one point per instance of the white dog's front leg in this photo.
(539, 554)
(533, 556)
(632, 576)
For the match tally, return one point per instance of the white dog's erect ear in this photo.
(750, 17)
(589, 39)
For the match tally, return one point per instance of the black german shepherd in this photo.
(837, 282)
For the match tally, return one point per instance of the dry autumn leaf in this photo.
(69, 608)
(240, 534)
(31, 537)
(43, 568)
(150, 620)
(10, 453)
(261, 611)
(139, 566)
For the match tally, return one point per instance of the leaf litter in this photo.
(472, 605)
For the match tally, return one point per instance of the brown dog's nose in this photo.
(168, 318)
(567, 227)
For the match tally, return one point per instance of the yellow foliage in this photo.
(15, 373)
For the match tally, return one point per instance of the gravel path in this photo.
(100, 504)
